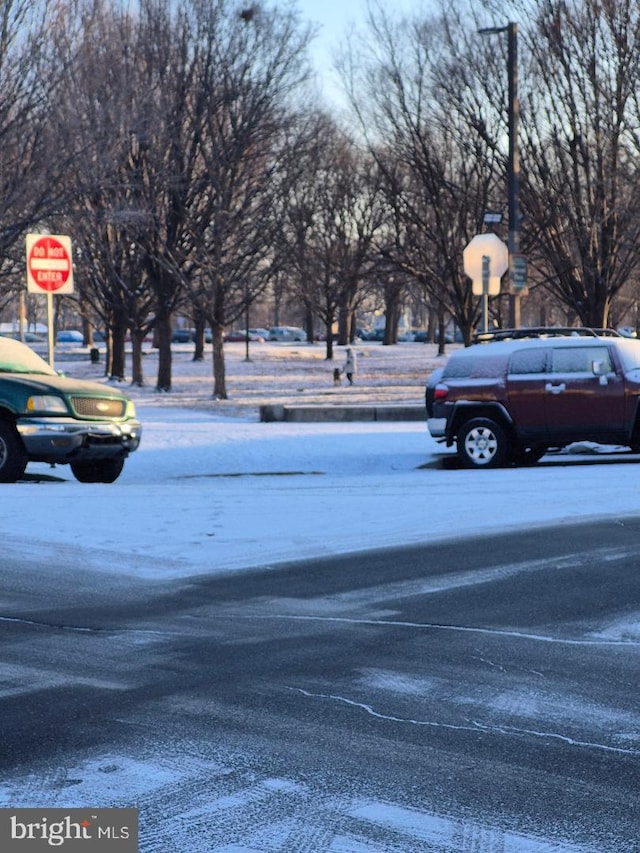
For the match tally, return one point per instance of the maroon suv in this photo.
(522, 393)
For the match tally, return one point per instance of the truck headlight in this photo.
(47, 403)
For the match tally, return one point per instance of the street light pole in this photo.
(513, 188)
(514, 172)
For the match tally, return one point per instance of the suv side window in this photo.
(579, 360)
(528, 361)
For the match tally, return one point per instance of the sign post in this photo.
(486, 277)
(49, 271)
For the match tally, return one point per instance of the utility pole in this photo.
(513, 189)
(513, 241)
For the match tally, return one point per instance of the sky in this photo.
(335, 18)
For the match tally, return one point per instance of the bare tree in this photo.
(248, 70)
(333, 211)
(581, 147)
(438, 178)
(129, 103)
(578, 138)
(32, 186)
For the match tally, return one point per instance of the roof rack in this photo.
(542, 332)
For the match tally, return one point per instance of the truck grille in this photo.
(98, 407)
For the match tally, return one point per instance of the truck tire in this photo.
(482, 443)
(98, 470)
(13, 456)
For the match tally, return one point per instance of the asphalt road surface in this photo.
(478, 695)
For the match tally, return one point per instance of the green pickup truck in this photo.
(46, 417)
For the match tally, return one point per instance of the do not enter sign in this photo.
(49, 268)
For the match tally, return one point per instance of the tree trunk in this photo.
(200, 329)
(441, 334)
(108, 359)
(329, 335)
(347, 323)
(118, 340)
(392, 316)
(600, 309)
(343, 326)
(137, 373)
(163, 327)
(309, 326)
(219, 373)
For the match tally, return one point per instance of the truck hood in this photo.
(36, 383)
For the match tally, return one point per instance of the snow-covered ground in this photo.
(212, 489)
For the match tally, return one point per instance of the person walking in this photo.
(350, 365)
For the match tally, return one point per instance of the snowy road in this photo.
(471, 696)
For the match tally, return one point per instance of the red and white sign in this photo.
(49, 267)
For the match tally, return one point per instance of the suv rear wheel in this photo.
(482, 443)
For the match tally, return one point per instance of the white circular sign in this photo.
(491, 246)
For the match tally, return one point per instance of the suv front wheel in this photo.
(482, 443)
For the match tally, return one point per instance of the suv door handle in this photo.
(555, 389)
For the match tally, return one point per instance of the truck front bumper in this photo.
(63, 440)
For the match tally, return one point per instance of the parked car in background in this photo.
(450, 337)
(241, 336)
(373, 335)
(69, 336)
(45, 417)
(182, 336)
(188, 336)
(287, 334)
(29, 337)
(260, 333)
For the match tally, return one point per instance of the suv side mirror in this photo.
(598, 369)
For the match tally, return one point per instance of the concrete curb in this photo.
(340, 414)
